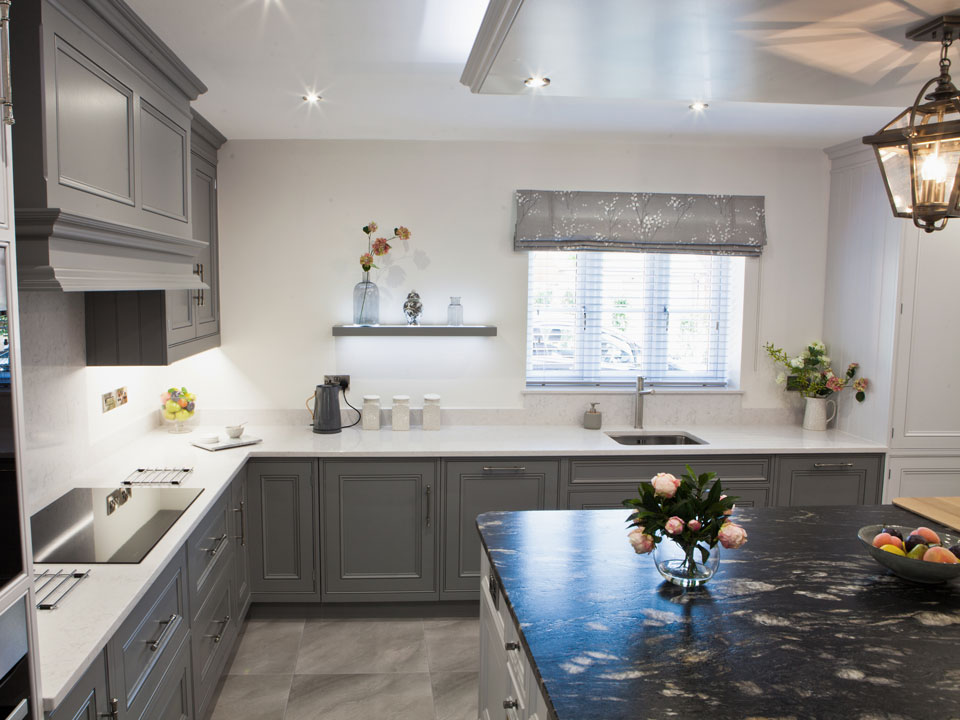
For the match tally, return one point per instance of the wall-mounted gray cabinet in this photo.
(829, 479)
(102, 143)
(380, 525)
(471, 488)
(282, 530)
(162, 326)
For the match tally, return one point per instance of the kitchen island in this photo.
(800, 622)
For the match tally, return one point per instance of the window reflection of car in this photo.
(556, 346)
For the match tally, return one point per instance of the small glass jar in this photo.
(454, 312)
(370, 414)
(400, 412)
(431, 412)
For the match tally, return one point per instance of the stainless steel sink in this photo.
(656, 438)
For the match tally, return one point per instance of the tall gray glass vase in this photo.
(366, 302)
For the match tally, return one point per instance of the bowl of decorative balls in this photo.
(917, 554)
(178, 406)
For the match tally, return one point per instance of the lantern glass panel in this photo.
(935, 173)
(895, 161)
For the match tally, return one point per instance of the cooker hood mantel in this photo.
(58, 250)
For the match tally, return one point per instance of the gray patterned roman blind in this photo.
(640, 222)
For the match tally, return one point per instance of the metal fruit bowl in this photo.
(910, 568)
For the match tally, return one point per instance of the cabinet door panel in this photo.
(173, 699)
(922, 477)
(281, 528)
(379, 528)
(163, 163)
(239, 510)
(88, 699)
(473, 488)
(94, 114)
(203, 186)
(828, 480)
(600, 499)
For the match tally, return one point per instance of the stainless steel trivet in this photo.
(157, 476)
(52, 586)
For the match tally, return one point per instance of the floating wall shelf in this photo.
(410, 330)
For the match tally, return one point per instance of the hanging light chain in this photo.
(945, 44)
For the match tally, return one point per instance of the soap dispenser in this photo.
(592, 418)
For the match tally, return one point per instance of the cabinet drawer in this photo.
(829, 479)
(88, 699)
(208, 550)
(580, 499)
(749, 495)
(616, 471)
(173, 699)
(214, 631)
(143, 647)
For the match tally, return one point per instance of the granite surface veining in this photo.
(799, 623)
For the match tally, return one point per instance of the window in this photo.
(603, 318)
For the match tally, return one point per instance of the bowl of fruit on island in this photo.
(178, 405)
(914, 553)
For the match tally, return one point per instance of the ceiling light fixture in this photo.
(919, 150)
(312, 98)
(698, 106)
(536, 82)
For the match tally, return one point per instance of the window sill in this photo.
(591, 390)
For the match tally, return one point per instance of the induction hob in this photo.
(107, 525)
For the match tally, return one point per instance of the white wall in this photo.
(291, 213)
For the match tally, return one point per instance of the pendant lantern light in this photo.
(919, 150)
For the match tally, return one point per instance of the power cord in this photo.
(359, 414)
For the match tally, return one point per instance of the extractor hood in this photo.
(57, 250)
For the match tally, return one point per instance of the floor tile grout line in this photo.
(296, 661)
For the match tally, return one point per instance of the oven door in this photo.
(11, 534)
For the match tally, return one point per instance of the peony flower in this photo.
(402, 233)
(665, 485)
(674, 526)
(860, 384)
(732, 536)
(381, 246)
(694, 525)
(835, 384)
(730, 511)
(366, 261)
(642, 543)
(370, 228)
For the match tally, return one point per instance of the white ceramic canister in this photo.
(400, 413)
(431, 412)
(370, 414)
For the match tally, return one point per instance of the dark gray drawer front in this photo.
(147, 640)
(599, 499)
(749, 495)
(602, 471)
(214, 631)
(173, 699)
(829, 479)
(208, 549)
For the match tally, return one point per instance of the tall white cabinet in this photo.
(893, 304)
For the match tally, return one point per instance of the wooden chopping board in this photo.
(944, 510)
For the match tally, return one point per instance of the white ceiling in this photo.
(390, 69)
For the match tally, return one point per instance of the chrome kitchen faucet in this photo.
(638, 410)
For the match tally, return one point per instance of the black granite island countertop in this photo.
(799, 623)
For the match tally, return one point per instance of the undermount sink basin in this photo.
(655, 438)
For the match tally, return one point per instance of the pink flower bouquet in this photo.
(691, 510)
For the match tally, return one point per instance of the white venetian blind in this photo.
(606, 317)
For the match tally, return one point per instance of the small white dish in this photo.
(209, 439)
(234, 431)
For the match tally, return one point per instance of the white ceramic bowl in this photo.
(910, 568)
(234, 431)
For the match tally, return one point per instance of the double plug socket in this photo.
(342, 380)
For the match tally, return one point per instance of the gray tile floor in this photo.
(353, 669)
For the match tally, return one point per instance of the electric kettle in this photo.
(326, 409)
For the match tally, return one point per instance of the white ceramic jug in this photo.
(815, 414)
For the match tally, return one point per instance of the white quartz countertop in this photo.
(71, 636)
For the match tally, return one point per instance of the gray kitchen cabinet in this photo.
(829, 479)
(89, 699)
(209, 549)
(215, 628)
(238, 528)
(173, 699)
(282, 529)
(159, 327)
(102, 175)
(599, 499)
(471, 488)
(379, 530)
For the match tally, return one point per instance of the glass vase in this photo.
(366, 302)
(455, 312)
(685, 565)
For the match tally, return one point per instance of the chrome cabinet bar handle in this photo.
(511, 646)
(170, 626)
(510, 703)
(20, 711)
(114, 713)
(832, 466)
(223, 626)
(7, 98)
(429, 490)
(215, 550)
(242, 537)
(514, 469)
(198, 270)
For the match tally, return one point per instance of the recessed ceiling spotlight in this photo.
(698, 106)
(536, 82)
(312, 98)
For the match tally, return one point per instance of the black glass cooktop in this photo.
(107, 525)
